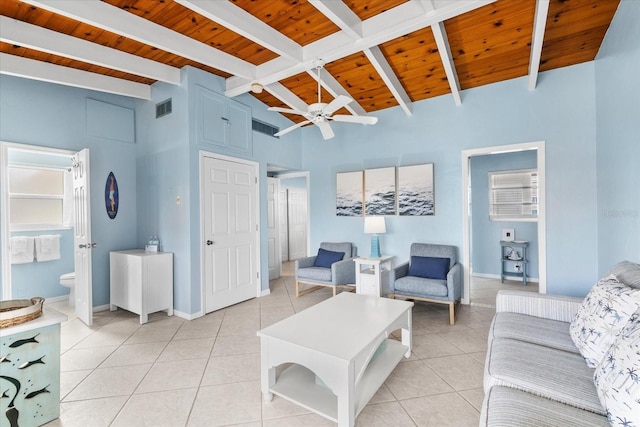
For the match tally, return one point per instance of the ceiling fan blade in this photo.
(337, 104)
(287, 110)
(365, 120)
(290, 128)
(325, 128)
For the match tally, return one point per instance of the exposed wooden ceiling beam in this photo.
(380, 63)
(440, 35)
(247, 25)
(34, 37)
(393, 23)
(115, 20)
(285, 95)
(13, 65)
(340, 14)
(539, 24)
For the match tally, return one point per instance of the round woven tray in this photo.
(17, 311)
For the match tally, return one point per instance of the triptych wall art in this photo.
(402, 190)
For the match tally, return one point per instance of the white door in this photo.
(230, 232)
(82, 237)
(297, 223)
(273, 232)
(283, 224)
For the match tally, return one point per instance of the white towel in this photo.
(48, 247)
(21, 249)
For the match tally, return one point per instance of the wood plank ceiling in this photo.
(381, 53)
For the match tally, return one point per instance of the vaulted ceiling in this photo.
(381, 53)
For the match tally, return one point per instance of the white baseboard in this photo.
(99, 308)
(265, 292)
(187, 316)
(497, 276)
(57, 299)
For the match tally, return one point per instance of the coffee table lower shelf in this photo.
(298, 384)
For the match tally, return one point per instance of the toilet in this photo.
(68, 280)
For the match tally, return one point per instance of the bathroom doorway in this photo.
(38, 209)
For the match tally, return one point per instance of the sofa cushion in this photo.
(315, 273)
(536, 330)
(627, 272)
(543, 371)
(429, 267)
(420, 286)
(617, 377)
(505, 406)
(604, 312)
(325, 258)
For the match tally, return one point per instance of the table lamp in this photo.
(374, 225)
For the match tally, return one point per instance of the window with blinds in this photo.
(513, 195)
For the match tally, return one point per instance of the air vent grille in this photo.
(265, 128)
(163, 108)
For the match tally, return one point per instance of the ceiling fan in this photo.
(321, 113)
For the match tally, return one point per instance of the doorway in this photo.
(40, 187)
(294, 215)
(467, 156)
(230, 213)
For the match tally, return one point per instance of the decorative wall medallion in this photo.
(111, 196)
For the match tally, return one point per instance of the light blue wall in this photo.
(617, 69)
(50, 115)
(561, 111)
(42, 278)
(485, 234)
(168, 166)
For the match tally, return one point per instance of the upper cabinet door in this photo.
(223, 122)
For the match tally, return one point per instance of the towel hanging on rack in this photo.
(22, 249)
(47, 247)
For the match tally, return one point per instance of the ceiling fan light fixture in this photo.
(256, 87)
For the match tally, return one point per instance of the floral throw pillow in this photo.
(617, 377)
(604, 312)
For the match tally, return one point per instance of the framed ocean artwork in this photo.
(415, 190)
(349, 193)
(380, 191)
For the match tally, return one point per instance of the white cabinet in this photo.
(223, 122)
(141, 282)
(372, 275)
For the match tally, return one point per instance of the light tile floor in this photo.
(484, 290)
(206, 372)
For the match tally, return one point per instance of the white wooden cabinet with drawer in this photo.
(141, 282)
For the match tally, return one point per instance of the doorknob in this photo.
(209, 242)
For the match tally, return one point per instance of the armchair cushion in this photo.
(325, 258)
(413, 285)
(429, 267)
(315, 274)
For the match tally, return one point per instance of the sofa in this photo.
(537, 369)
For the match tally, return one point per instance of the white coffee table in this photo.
(340, 353)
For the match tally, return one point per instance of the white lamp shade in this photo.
(374, 225)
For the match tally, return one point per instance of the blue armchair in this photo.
(339, 273)
(432, 275)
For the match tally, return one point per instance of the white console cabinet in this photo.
(141, 282)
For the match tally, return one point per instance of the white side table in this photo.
(372, 276)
